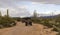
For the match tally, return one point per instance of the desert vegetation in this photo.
(6, 21)
(51, 22)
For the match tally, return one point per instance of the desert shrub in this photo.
(7, 22)
(36, 20)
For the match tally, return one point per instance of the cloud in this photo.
(48, 1)
(44, 1)
(41, 3)
(23, 7)
(15, 12)
(14, 9)
(35, 2)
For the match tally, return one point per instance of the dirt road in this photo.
(21, 29)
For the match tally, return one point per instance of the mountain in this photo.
(49, 16)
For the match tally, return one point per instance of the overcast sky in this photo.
(26, 7)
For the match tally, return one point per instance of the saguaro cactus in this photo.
(0, 14)
(35, 14)
(7, 13)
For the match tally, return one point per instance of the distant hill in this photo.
(55, 16)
